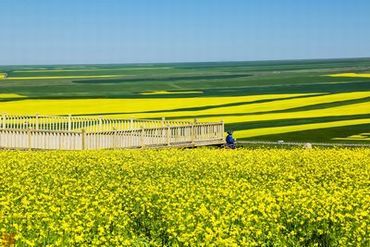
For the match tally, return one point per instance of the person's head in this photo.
(229, 132)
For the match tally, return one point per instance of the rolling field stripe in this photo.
(74, 106)
(233, 114)
(63, 77)
(331, 112)
(351, 75)
(284, 85)
(288, 129)
(11, 96)
(293, 121)
(171, 92)
(323, 144)
(213, 106)
(88, 70)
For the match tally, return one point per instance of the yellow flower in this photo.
(174, 197)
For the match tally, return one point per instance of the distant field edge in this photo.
(62, 77)
(351, 75)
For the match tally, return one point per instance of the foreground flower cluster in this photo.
(186, 197)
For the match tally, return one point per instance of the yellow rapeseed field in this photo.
(261, 197)
(11, 96)
(232, 109)
(359, 75)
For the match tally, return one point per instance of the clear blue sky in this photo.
(138, 31)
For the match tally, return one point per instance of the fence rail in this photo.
(77, 123)
(86, 133)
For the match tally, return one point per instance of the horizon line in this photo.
(192, 62)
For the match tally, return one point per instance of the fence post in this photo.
(69, 122)
(100, 123)
(163, 121)
(83, 135)
(142, 141)
(195, 129)
(131, 123)
(37, 122)
(4, 121)
(114, 138)
(192, 134)
(222, 129)
(168, 135)
(29, 138)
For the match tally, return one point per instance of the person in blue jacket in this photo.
(230, 141)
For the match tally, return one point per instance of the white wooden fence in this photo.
(88, 133)
(72, 123)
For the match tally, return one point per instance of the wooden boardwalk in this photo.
(93, 133)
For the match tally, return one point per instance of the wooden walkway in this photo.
(89, 133)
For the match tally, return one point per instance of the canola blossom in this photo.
(259, 197)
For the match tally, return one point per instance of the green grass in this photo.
(289, 100)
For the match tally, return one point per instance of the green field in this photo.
(269, 100)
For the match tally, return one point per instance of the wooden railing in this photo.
(75, 133)
(77, 123)
(40, 139)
